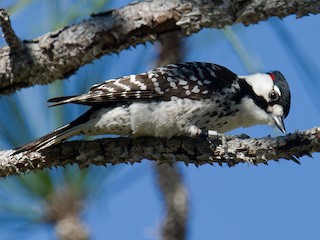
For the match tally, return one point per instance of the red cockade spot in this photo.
(273, 77)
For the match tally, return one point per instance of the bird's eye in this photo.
(274, 96)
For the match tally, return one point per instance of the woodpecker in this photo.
(184, 99)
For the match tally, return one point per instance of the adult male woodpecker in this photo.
(178, 99)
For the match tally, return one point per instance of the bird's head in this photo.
(270, 92)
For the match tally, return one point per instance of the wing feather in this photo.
(193, 80)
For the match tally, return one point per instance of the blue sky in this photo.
(278, 201)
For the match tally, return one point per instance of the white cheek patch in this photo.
(261, 83)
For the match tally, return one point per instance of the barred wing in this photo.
(192, 80)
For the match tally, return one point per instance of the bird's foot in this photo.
(212, 137)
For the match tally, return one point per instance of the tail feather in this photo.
(69, 130)
(60, 100)
(48, 140)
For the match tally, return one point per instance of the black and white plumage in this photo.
(178, 99)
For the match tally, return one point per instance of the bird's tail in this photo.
(60, 134)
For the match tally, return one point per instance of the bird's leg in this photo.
(210, 136)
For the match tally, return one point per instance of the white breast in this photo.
(164, 118)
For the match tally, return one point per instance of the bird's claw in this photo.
(213, 136)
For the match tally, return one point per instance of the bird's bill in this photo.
(279, 123)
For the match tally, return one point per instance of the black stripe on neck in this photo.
(246, 90)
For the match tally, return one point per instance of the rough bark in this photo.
(59, 54)
(187, 150)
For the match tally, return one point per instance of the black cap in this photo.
(285, 99)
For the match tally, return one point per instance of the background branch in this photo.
(187, 150)
(174, 192)
(170, 181)
(58, 54)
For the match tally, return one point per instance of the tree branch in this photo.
(10, 36)
(188, 150)
(58, 54)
